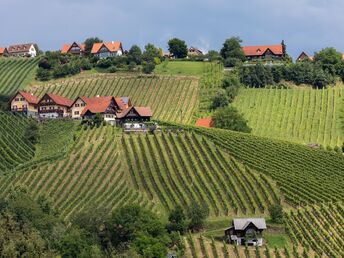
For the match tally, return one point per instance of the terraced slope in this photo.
(92, 174)
(303, 175)
(183, 168)
(15, 149)
(297, 115)
(14, 73)
(319, 228)
(170, 98)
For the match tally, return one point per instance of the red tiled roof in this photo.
(2, 50)
(142, 111)
(66, 47)
(19, 48)
(96, 104)
(60, 100)
(30, 98)
(204, 122)
(111, 46)
(260, 50)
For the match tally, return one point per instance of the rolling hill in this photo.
(15, 74)
(297, 115)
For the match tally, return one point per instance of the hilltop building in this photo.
(303, 56)
(74, 48)
(193, 51)
(264, 52)
(25, 103)
(23, 50)
(246, 231)
(53, 106)
(109, 49)
(3, 51)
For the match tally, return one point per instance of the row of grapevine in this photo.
(182, 168)
(170, 98)
(15, 149)
(200, 246)
(91, 175)
(319, 228)
(14, 73)
(304, 175)
(299, 115)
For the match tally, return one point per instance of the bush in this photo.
(276, 213)
(148, 68)
(112, 69)
(43, 74)
(221, 99)
(104, 63)
(232, 62)
(197, 214)
(32, 132)
(230, 118)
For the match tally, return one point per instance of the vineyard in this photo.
(200, 246)
(14, 73)
(170, 98)
(15, 149)
(91, 175)
(319, 228)
(180, 169)
(298, 115)
(303, 175)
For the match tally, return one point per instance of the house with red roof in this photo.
(107, 49)
(303, 56)
(25, 103)
(204, 122)
(264, 52)
(23, 50)
(54, 106)
(74, 49)
(3, 51)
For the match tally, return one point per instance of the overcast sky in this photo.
(304, 24)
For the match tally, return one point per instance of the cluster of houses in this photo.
(115, 111)
(101, 50)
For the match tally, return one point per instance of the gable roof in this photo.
(260, 50)
(204, 122)
(66, 47)
(59, 100)
(141, 111)
(194, 49)
(241, 224)
(96, 104)
(304, 54)
(3, 50)
(113, 46)
(30, 98)
(19, 48)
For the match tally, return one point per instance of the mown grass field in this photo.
(297, 115)
(181, 68)
(15, 73)
(170, 98)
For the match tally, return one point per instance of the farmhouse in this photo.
(303, 56)
(246, 231)
(23, 50)
(54, 106)
(193, 51)
(264, 52)
(104, 50)
(74, 48)
(3, 51)
(25, 103)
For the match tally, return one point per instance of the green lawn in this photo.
(180, 68)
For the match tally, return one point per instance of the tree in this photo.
(135, 55)
(328, 58)
(97, 119)
(177, 220)
(232, 50)
(74, 244)
(197, 214)
(150, 53)
(276, 213)
(89, 44)
(148, 67)
(32, 132)
(178, 48)
(230, 118)
(213, 55)
(220, 99)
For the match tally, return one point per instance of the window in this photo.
(16, 99)
(22, 99)
(77, 105)
(15, 107)
(82, 104)
(76, 112)
(24, 107)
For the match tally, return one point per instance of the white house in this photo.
(109, 49)
(27, 50)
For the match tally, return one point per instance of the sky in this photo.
(305, 25)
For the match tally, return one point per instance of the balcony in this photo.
(45, 111)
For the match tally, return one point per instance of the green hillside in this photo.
(170, 98)
(15, 149)
(297, 115)
(15, 74)
(181, 68)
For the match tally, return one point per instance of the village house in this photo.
(54, 106)
(303, 56)
(74, 48)
(134, 118)
(246, 231)
(23, 50)
(264, 52)
(109, 49)
(3, 51)
(193, 51)
(25, 103)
